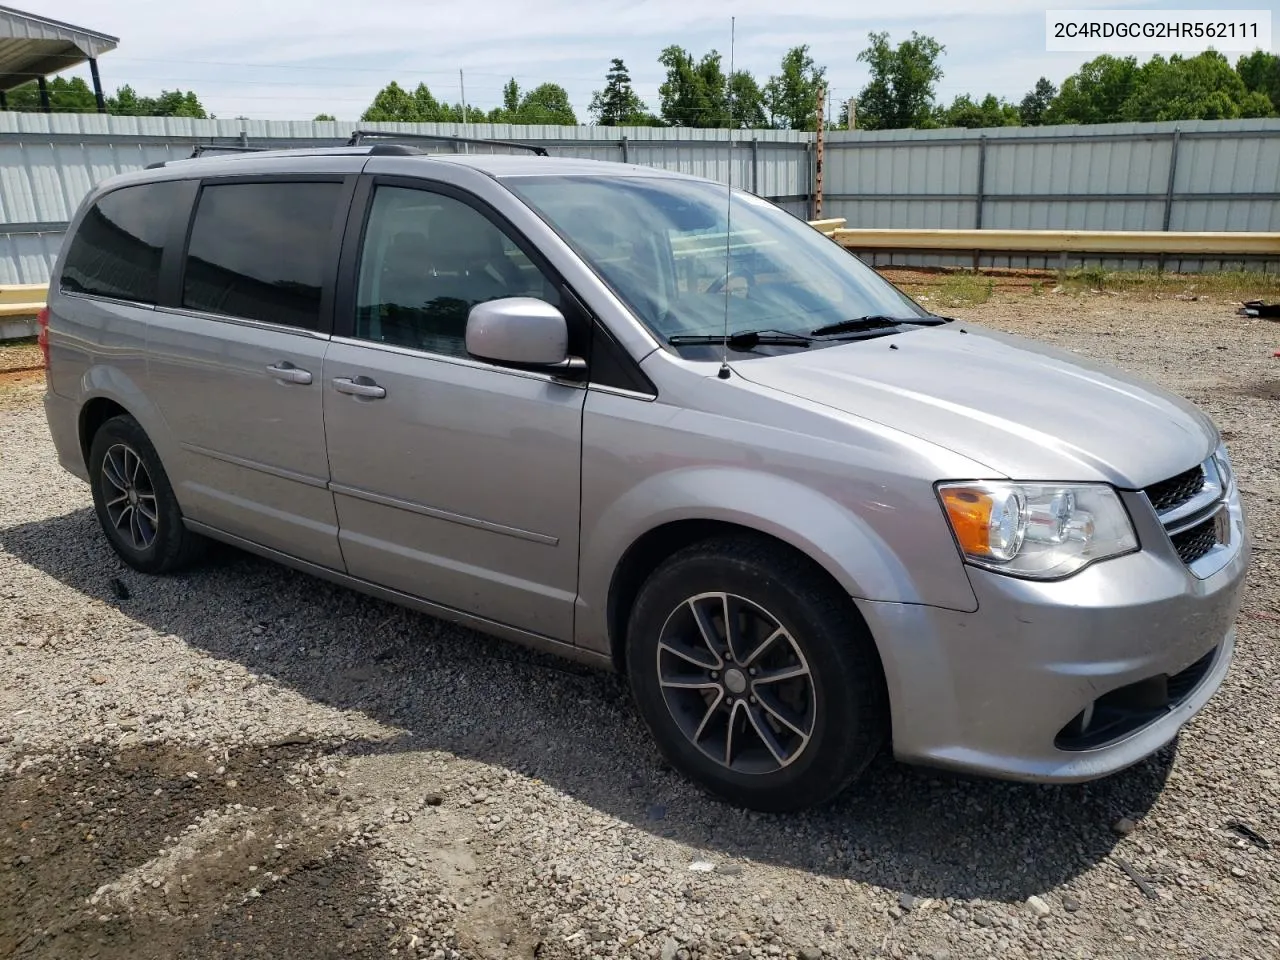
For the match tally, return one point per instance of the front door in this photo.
(235, 366)
(455, 480)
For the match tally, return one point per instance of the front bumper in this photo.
(994, 692)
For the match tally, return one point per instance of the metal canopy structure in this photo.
(33, 47)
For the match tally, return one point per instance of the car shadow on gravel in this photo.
(912, 831)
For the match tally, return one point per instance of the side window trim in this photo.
(358, 227)
(333, 252)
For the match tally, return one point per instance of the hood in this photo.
(1025, 410)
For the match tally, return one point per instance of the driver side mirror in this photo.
(523, 332)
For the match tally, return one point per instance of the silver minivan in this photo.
(634, 418)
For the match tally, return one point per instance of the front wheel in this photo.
(755, 675)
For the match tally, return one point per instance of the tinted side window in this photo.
(261, 251)
(117, 249)
(427, 260)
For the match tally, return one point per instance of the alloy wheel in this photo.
(130, 496)
(737, 683)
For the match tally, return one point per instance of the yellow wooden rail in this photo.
(828, 226)
(22, 300)
(1180, 243)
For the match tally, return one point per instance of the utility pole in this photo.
(817, 169)
(853, 113)
(462, 86)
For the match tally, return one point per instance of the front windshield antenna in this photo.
(728, 216)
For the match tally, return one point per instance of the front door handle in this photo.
(359, 387)
(287, 372)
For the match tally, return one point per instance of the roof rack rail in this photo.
(357, 136)
(200, 149)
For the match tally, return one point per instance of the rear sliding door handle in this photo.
(359, 387)
(286, 371)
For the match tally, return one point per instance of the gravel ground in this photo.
(243, 761)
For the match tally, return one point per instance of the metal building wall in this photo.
(1226, 175)
(49, 162)
(1191, 175)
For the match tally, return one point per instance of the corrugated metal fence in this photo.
(1195, 175)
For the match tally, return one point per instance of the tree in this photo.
(900, 93)
(1260, 72)
(170, 103)
(320, 117)
(511, 97)
(695, 94)
(392, 104)
(792, 95)
(967, 112)
(617, 104)
(1096, 92)
(395, 104)
(546, 103)
(65, 96)
(1035, 104)
(746, 101)
(1203, 87)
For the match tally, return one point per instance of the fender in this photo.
(816, 525)
(111, 383)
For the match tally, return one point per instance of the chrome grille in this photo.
(1174, 492)
(1190, 506)
(1195, 542)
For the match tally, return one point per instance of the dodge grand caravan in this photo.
(630, 417)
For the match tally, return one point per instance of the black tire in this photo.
(844, 710)
(171, 546)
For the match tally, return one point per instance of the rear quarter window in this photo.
(117, 248)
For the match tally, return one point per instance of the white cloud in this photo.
(291, 59)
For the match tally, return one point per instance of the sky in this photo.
(293, 59)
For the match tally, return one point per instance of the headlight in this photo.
(1042, 531)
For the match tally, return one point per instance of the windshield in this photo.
(660, 244)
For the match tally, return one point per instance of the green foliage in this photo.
(900, 93)
(394, 104)
(1096, 92)
(618, 105)
(65, 96)
(792, 95)
(1260, 72)
(965, 112)
(965, 288)
(746, 101)
(545, 103)
(1203, 87)
(75, 96)
(320, 117)
(1034, 106)
(695, 93)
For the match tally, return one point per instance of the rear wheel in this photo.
(134, 501)
(755, 675)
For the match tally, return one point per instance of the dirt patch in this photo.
(161, 852)
(20, 355)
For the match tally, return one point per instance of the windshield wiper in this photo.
(876, 320)
(742, 339)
